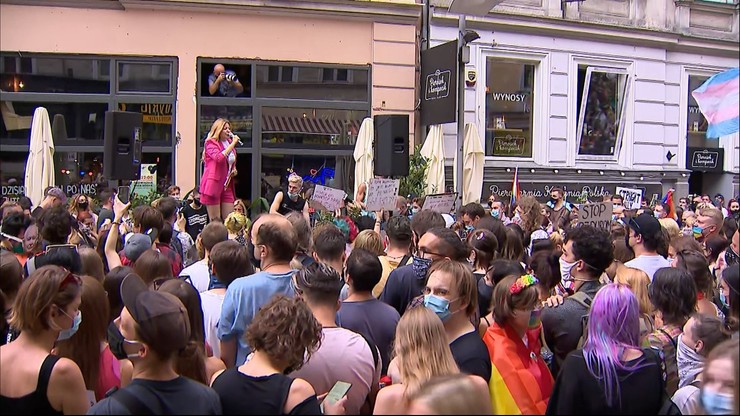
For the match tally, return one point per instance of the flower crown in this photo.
(522, 283)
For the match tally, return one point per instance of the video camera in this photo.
(230, 77)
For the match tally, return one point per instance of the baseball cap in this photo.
(136, 245)
(645, 224)
(161, 317)
(57, 193)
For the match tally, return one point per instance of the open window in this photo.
(601, 111)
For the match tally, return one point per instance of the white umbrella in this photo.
(364, 153)
(474, 158)
(40, 162)
(434, 151)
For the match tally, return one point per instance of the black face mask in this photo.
(83, 205)
(731, 258)
(115, 342)
(196, 201)
(255, 261)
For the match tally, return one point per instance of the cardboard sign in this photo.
(632, 197)
(598, 215)
(442, 203)
(329, 198)
(382, 194)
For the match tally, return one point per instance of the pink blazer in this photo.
(216, 169)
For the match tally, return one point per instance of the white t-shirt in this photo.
(211, 303)
(648, 264)
(342, 356)
(199, 275)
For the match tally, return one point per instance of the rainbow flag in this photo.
(668, 204)
(520, 381)
(516, 191)
(718, 99)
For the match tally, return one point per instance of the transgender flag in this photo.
(718, 101)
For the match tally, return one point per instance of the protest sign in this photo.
(147, 179)
(442, 203)
(329, 198)
(632, 197)
(382, 194)
(598, 215)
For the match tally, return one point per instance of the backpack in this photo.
(584, 300)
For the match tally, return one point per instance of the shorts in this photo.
(224, 196)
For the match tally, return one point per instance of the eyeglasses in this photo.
(69, 278)
(423, 253)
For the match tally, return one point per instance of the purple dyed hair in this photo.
(613, 326)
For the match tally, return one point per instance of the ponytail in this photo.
(191, 362)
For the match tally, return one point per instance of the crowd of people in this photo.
(190, 306)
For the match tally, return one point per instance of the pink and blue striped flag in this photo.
(718, 99)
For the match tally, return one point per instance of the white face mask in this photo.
(565, 268)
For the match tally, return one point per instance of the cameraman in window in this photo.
(224, 82)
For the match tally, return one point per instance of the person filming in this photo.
(224, 82)
(219, 156)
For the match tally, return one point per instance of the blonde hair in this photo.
(670, 225)
(236, 223)
(637, 281)
(713, 213)
(422, 349)
(369, 240)
(295, 178)
(454, 395)
(216, 128)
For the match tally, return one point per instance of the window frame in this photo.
(154, 72)
(625, 89)
(540, 100)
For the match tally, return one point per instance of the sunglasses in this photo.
(69, 279)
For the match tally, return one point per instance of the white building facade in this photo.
(597, 95)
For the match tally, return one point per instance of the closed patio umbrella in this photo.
(364, 153)
(474, 158)
(40, 162)
(434, 151)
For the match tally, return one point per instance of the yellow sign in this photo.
(152, 113)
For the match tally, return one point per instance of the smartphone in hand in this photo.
(124, 194)
(339, 390)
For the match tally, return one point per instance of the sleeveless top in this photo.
(36, 402)
(244, 394)
(289, 205)
(109, 375)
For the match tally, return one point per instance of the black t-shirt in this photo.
(174, 397)
(485, 293)
(242, 394)
(105, 214)
(471, 355)
(288, 205)
(195, 219)
(577, 391)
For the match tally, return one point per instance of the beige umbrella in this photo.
(364, 153)
(434, 151)
(472, 165)
(40, 162)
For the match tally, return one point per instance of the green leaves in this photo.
(415, 183)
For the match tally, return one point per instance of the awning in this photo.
(309, 125)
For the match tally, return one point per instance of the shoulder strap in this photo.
(45, 373)
(373, 350)
(404, 260)
(31, 265)
(675, 344)
(582, 298)
(131, 403)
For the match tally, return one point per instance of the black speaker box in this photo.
(391, 145)
(122, 145)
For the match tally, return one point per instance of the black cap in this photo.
(645, 224)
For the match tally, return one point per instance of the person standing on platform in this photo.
(219, 156)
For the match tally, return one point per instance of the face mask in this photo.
(131, 342)
(469, 228)
(535, 319)
(495, 213)
(421, 266)
(656, 214)
(83, 205)
(723, 300)
(414, 211)
(67, 333)
(553, 200)
(292, 196)
(196, 201)
(439, 306)
(565, 268)
(490, 204)
(697, 231)
(715, 403)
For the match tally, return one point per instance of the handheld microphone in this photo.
(232, 135)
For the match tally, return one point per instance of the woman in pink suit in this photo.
(219, 156)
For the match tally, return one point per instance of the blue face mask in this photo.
(469, 228)
(439, 306)
(414, 211)
(67, 333)
(495, 213)
(723, 300)
(715, 403)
